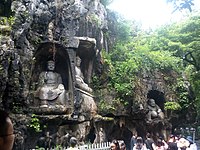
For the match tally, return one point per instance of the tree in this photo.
(182, 39)
(179, 5)
(171, 47)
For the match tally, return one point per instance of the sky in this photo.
(150, 13)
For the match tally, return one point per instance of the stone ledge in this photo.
(54, 110)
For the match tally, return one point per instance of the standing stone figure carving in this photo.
(80, 78)
(50, 87)
(154, 111)
(102, 137)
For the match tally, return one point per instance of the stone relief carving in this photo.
(154, 111)
(80, 78)
(50, 88)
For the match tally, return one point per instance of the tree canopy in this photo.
(171, 47)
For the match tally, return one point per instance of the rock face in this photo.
(61, 30)
(55, 30)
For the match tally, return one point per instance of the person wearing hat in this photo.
(139, 145)
(73, 144)
(183, 144)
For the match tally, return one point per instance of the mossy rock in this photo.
(5, 29)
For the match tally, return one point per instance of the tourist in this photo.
(6, 132)
(133, 140)
(192, 145)
(122, 145)
(114, 145)
(73, 144)
(149, 141)
(172, 145)
(183, 144)
(160, 144)
(139, 145)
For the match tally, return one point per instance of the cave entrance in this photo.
(91, 136)
(158, 97)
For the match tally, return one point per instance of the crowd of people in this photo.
(148, 143)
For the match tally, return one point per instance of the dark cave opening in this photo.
(5, 8)
(91, 136)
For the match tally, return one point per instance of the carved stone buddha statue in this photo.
(50, 88)
(154, 111)
(80, 78)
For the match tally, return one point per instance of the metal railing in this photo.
(95, 146)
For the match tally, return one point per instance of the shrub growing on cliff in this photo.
(127, 60)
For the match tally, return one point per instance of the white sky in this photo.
(151, 13)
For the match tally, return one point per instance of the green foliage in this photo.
(127, 60)
(94, 19)
(105, 107)
(123, 30)
(195, 82)
(172, 106)
(182, 87)
(99, 81)
(182, 40)
(165, 60)
(120, 29)
(17, 108)
(35, 123)
(39, 148)
(7, 21)
(96, 82)
(11, 20)
(141, 57)
(187, 33)
(173, 47)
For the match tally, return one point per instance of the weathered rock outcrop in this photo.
(59, 30)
